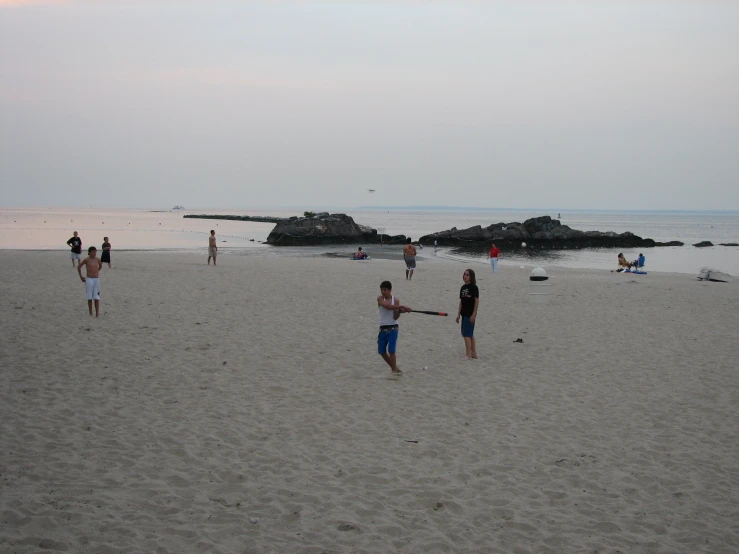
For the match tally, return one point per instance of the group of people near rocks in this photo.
(389, 306)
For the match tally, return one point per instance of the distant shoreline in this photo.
(544, 210)
(413, 208)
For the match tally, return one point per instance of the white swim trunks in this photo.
(92, 286)
(74, 255)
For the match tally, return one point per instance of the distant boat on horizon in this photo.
(179, 208)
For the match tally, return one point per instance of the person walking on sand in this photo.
(212, 247)
(409, 256)
(494, 255)
(389, 309)
(76, 243)
(93, 266)
(469, 300)
(106, 252)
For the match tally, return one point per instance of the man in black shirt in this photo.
(76, 243)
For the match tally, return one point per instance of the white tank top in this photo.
(387, 316)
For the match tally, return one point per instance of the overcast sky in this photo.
(605, 105)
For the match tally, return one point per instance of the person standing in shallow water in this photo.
(469, 300)
(106, 252)
(212, 247)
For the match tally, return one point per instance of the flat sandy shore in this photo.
(243, 408)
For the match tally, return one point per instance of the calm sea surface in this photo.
(49, 229)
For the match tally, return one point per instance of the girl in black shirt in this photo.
(469, 300)
(106, 252)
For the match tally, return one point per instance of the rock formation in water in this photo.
(325, 228)
(538, 232)
(257, 218)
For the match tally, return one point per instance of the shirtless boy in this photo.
(389, 309)
(409, 255)
(212, 247)
(92, 282)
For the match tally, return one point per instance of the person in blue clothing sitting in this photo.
(638, 264)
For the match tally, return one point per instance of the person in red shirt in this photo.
(494, 255)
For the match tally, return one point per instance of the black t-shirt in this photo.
(76, 244)
(467, 295)
(106, 245)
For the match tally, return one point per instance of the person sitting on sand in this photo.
(623, 264)
(359, 255)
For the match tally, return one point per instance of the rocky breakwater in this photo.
(325, 228)
(258, 218)
(538, 232)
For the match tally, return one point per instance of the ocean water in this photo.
(687, 227)
(49, 229)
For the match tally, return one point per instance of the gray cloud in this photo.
(502, 105)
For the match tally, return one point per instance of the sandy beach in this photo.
(244, 408)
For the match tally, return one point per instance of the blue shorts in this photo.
(468, 328)
(386, 340)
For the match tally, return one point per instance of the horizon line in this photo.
(558, 210)
(386, 207)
